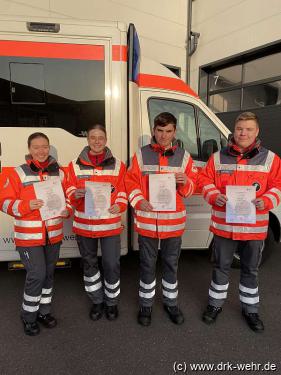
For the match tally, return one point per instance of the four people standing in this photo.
(243, 163)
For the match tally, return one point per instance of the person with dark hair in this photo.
(37, 135)
(37, 241)
(165, 118)
(244, 162)
(162, 155)
(97, 164)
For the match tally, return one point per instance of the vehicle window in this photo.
(27, 83)
(52, 92)
(185, 115)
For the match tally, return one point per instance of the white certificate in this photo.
(97, 198)
(239, 206)
(162, 192)
(51, 192)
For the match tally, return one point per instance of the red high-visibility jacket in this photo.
(110, 170)
(260, 168)
(150, 159)
(29, 228)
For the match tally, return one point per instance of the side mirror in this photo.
(209, 147)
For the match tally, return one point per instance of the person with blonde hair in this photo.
(96, 164)
(244, 162)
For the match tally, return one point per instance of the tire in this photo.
(267, 250)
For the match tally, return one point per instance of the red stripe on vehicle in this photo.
(168, 83)
(51, 50)
(119, 53)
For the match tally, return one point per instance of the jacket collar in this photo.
(248, 153)
(164, 152)
(35, 166)
(84, 159)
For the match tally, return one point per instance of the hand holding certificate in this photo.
(162, 192)
(239, 206)
(51, 192)
(97, 198)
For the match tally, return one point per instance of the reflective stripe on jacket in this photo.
(30, 229)
(147, 161)
(262, 170)
(111, 170)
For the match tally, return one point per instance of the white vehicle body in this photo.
(61, 81)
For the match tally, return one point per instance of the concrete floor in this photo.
(79, 346)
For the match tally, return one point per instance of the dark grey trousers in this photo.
(170, 253)
(250, 257)
(107, 291)
(40, 263)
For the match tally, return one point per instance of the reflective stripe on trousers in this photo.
(39, 262)
(250, 256)
(110, 249)
(170, 252)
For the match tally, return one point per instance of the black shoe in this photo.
(47, 320)
(210, 314)
(144, 316)
(31, 328)
(111, 312)
(175, 314)
(96, 311)
(253, 321)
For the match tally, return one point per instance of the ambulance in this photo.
(61, 76)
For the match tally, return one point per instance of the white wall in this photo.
(161, 24)
(230, 27)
